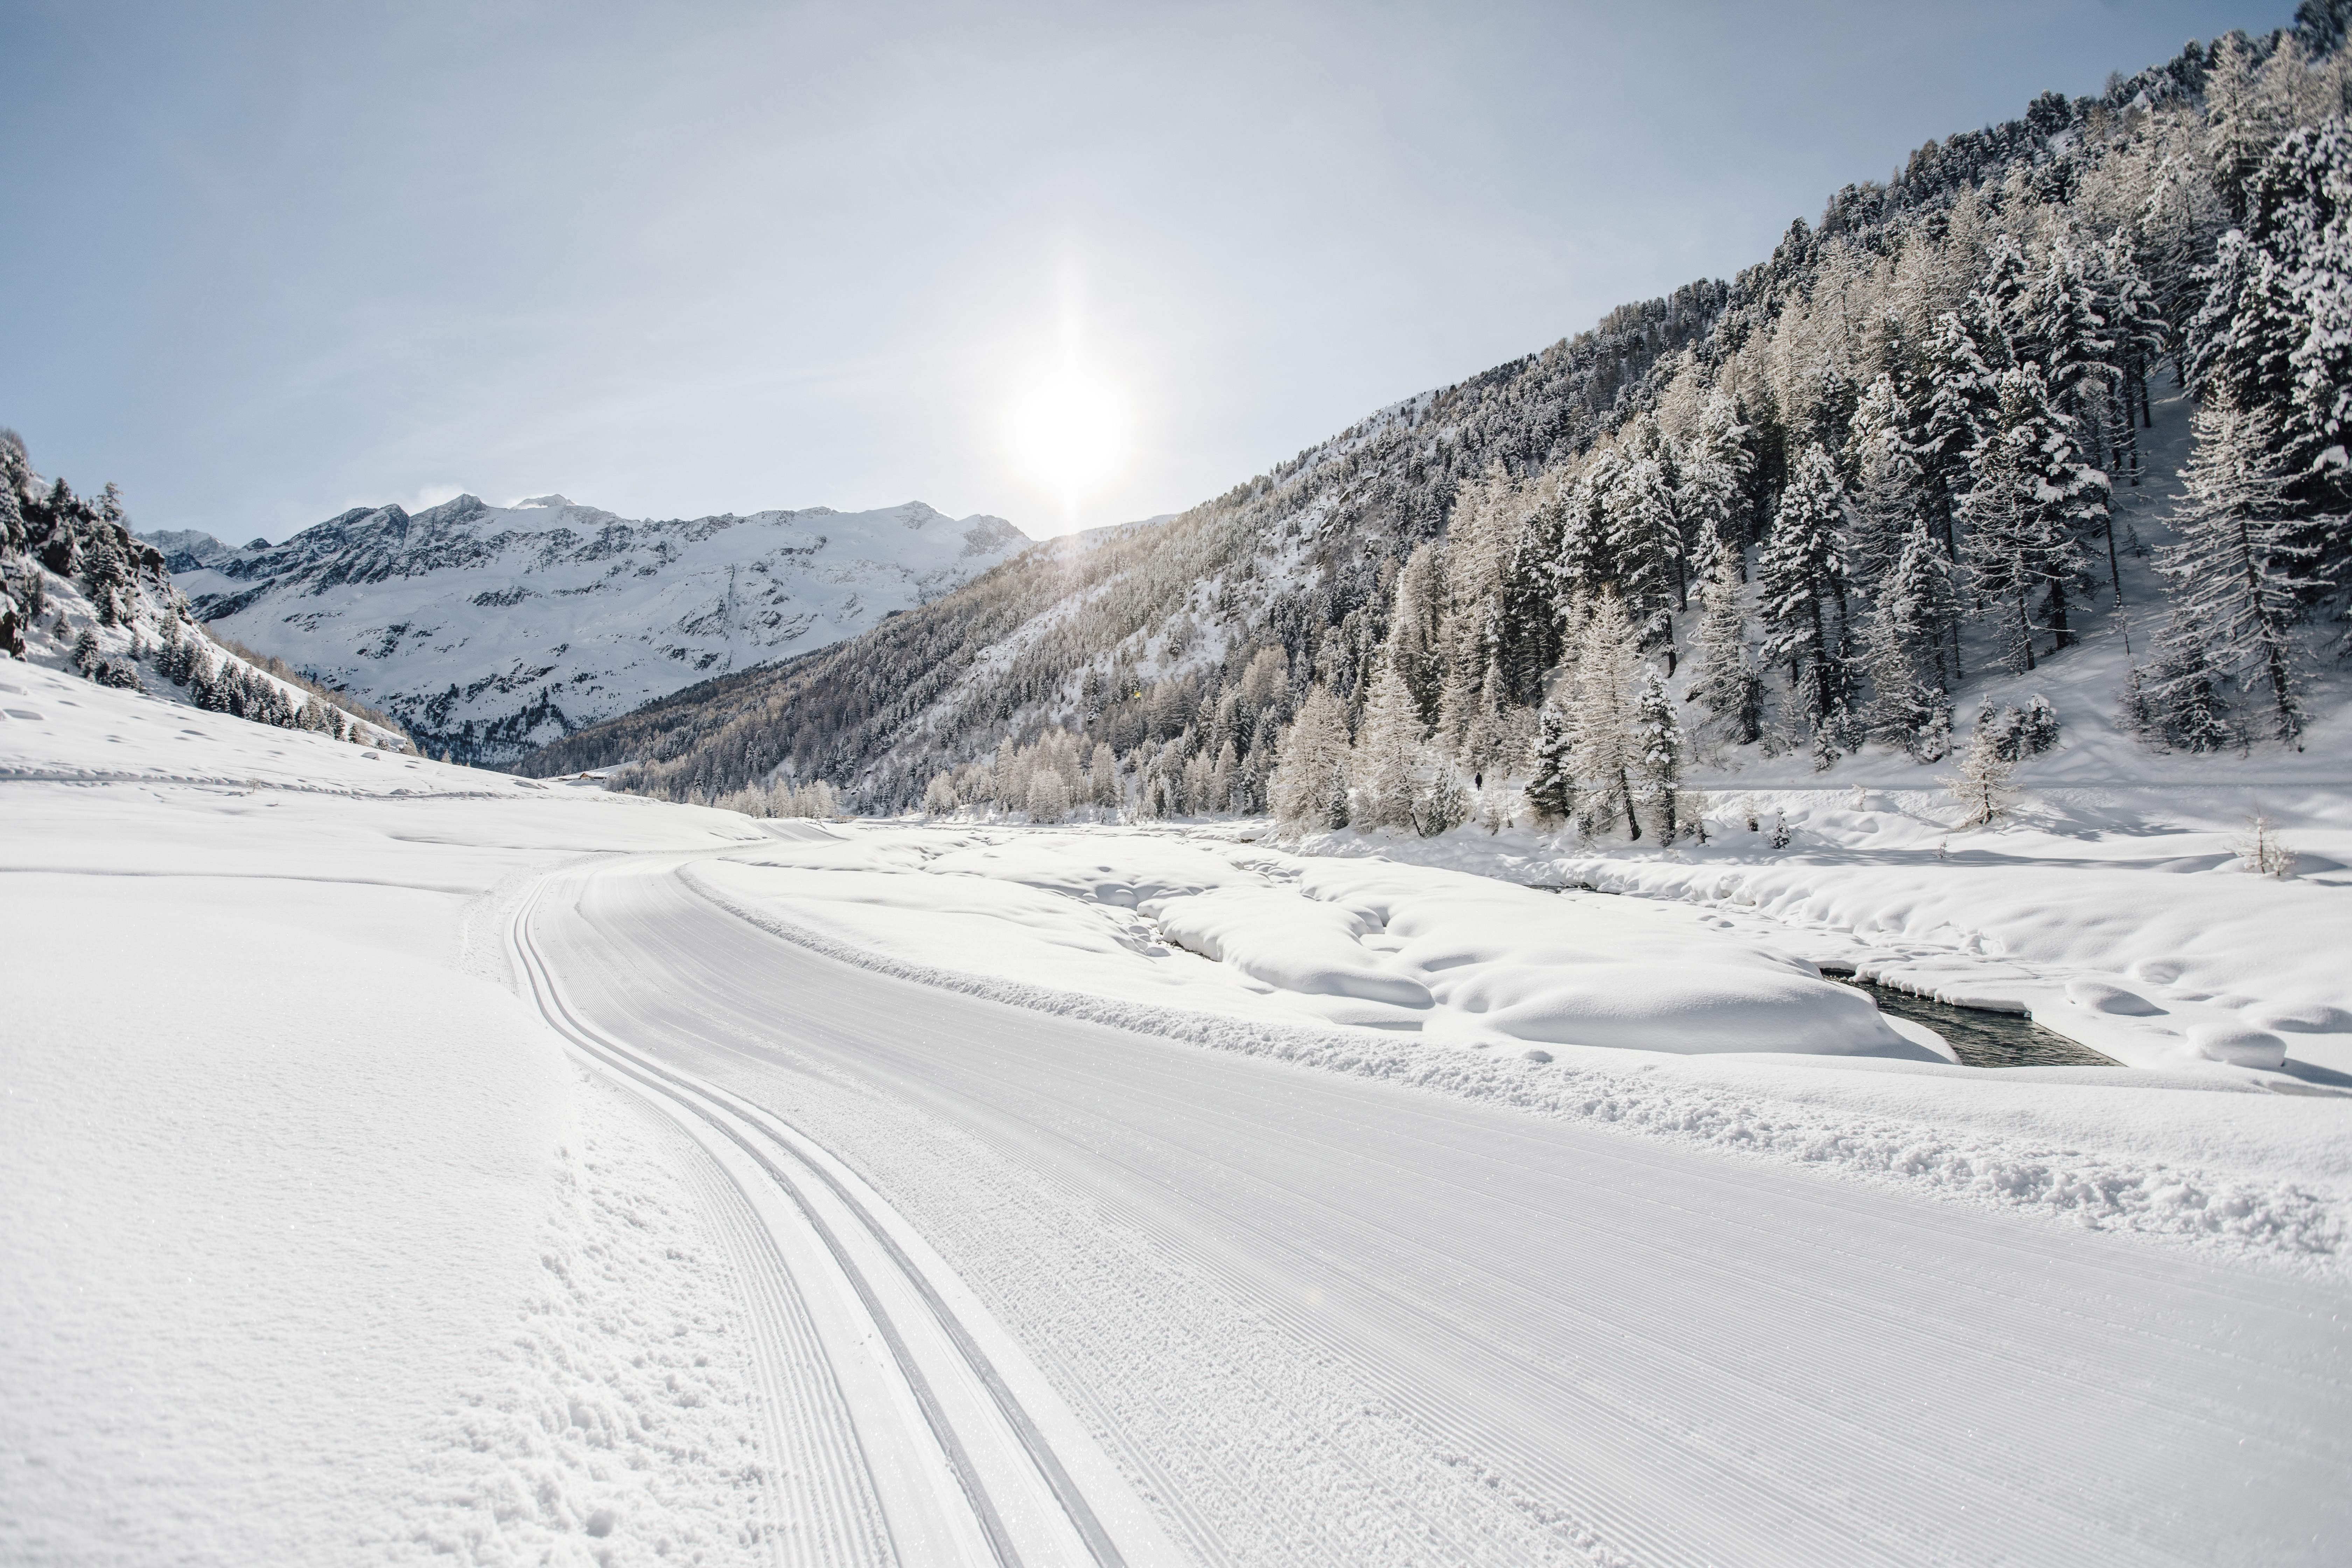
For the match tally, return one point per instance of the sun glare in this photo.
(1070, 432)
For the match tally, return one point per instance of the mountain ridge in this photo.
(487, 629)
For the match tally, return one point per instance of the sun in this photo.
(1070, 432)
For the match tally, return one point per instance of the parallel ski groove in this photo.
(828, 1513)
(728, 1117)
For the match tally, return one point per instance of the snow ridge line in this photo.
(223, 781)
(2249, 1217)
(728, 1115)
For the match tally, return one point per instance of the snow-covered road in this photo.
(1316, 1318)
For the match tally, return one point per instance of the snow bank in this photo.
(1466, 959)
(2186, 1158)
(2122, 919)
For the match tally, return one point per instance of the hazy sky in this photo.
(1067, 264)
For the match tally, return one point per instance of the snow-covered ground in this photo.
(315, 1248)
(404, 1162)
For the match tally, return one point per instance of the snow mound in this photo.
(1369, 945)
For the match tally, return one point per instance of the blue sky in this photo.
(1068, 263)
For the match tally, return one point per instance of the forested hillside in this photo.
(1798, 512)
(80, 591)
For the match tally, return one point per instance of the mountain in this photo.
(1803, 514)
(487, 630)
(79, 591)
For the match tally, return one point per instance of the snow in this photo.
(2136, 897)
(1465, 959)
(1400, 1213)
(531, 620)
(314, 1248)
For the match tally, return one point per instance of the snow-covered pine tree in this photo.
(2236, 563)
(2003, 323)
(2030, 502)
(1886, 493)
(2128, 303)
(1961, 408)
(939, 795)
(2187, 710)
(1602, 753)
(1309, 785)
(1586, 563)
(1551, 788)
(1904, 647)
(1658, 746)
(1443, 799)
(2275, 332)
(2075, 346)
(1728, 684)
(1711, 495)
(1102, 777)
(1802, 573)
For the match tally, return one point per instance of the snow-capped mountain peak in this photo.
(492, 629)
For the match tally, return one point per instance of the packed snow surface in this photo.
(1307, 1207)
(500, 629)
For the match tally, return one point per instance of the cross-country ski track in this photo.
(1042, 1290)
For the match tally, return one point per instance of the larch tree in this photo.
(1416, 640)
(1388, 753)
(1309, 784)
(1602, 749)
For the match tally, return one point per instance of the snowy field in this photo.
(407, 1162)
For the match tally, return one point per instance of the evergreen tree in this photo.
(2076, 348)
(2275, 332)
(1960, 410)
(2128, 303)
(1586, 563)
(2235, 563)
(1416, 640)
(1658, 747)
(1905, 650)
(1645, 546)
(2030, 499)
(2183, 693)
(1711, 496)
(1552, 790)
(1803, 576)
(1728, 684)
(1102, 777)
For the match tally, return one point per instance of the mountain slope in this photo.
(489, 629)
(1883, 373)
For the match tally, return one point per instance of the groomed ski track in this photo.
(894, 1435)
(1603, 1348)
